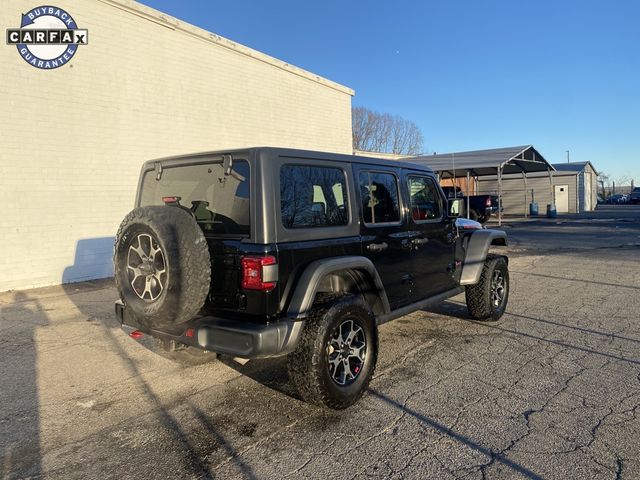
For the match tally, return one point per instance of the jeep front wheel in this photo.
(336, 356)
(488, 299)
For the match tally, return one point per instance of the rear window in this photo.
(313, 197)
(219, 202)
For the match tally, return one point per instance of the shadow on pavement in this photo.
(195, 458)
(579, 280)
(20, 454)
(493, 456)
(578, 329)
(272, 373)
(460, 311)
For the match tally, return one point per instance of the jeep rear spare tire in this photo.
(162, 265)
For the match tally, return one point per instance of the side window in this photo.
(426, 202)
(379, 194)
(313, 197)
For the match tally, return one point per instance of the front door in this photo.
(433, 242)
(562, 198)
(383, 230)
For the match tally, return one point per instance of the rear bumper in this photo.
(240, 339)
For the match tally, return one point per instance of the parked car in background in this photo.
(481, 207)
(634, 196)
(617, 199)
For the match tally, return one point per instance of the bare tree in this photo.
(382, 132)
(605, 183)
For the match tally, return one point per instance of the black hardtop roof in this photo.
(296, 153)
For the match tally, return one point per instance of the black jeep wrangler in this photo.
(265, 252)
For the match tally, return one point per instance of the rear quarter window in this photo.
(313, 196)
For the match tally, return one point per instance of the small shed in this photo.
(587, 181)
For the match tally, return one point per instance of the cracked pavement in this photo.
(552, 391)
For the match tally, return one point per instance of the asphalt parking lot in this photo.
(552, 391)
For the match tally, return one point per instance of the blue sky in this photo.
(561, 75)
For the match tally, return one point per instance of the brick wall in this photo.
(72, 140)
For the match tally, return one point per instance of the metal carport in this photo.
(498, 161)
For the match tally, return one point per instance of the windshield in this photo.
(219, 202)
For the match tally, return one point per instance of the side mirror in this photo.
(455, 206)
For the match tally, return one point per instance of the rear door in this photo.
(383, 230)
(431, 232)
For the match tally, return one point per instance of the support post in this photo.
(578, 191)
(500, 195)
(468, 195)
(526, 206)
(553, 190)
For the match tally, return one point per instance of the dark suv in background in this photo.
(266, 252)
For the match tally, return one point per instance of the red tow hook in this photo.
(136, 334)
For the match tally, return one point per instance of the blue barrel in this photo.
(551, 211)
(533, 209)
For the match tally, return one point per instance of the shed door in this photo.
(562, 198)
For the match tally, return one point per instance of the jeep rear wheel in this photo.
(162, 265)
(488, 299)
(336, 357)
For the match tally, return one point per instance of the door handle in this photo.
(418, 242)
(377, 247)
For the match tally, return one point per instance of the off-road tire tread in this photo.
(304, 364)
(478, 303)
(194, 264)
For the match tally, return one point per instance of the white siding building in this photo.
(72, 140)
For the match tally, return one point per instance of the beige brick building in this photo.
(147, 85)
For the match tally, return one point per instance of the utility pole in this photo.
(567, 156)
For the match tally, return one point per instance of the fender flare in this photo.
(308, 283)
(476, 253)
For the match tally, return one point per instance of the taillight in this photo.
(136, 334)
(258, 273)
(488, 202)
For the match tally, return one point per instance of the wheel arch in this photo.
(352, 274)
(477, 249)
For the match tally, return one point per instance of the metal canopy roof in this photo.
(485, 162)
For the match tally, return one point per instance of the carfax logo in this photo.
(48, 37)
